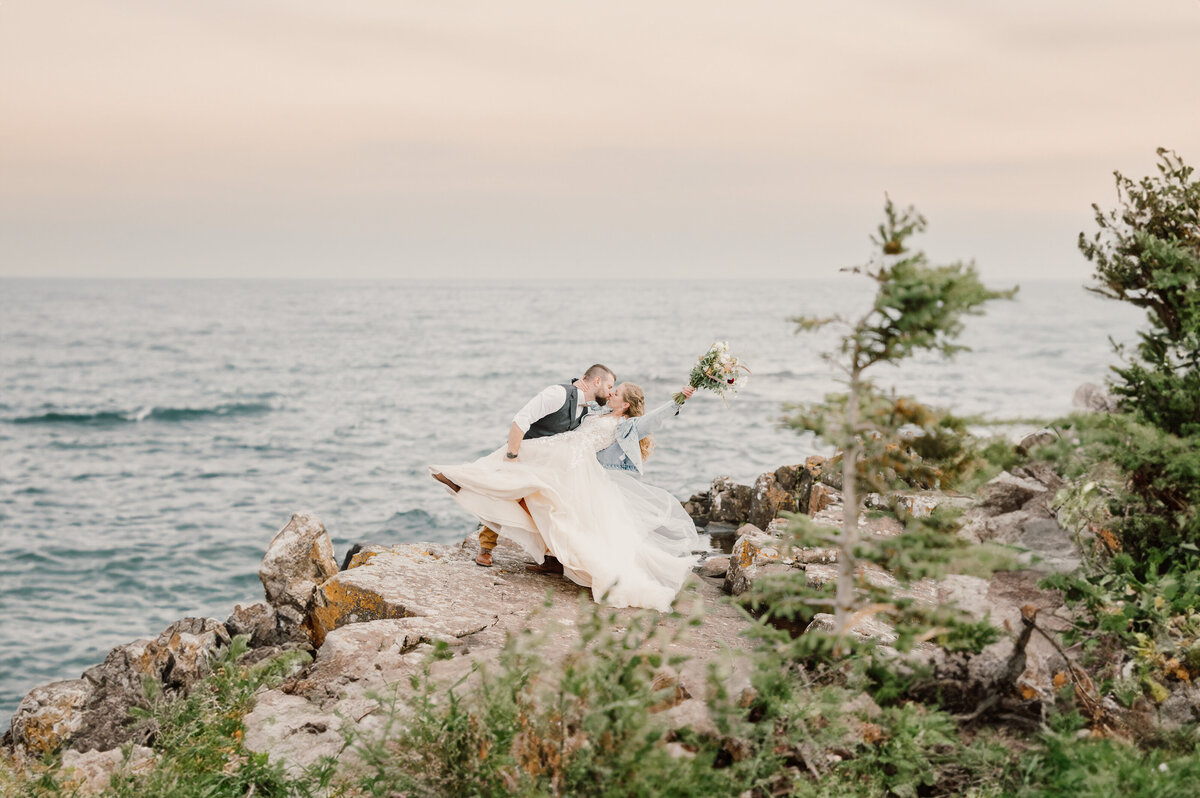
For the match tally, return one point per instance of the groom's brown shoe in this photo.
(484, 558)
(550, 565)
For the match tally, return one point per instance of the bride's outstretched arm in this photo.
(647, 424)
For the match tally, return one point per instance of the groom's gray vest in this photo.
(561, 420)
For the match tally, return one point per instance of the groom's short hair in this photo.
(596, 370)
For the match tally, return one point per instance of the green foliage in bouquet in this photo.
(1147, 253)
(717, 371)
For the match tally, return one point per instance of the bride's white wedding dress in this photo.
(631, 543)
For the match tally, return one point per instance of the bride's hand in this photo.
(688, 391)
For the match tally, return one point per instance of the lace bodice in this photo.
(596, 432)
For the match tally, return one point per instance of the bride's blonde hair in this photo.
(636, 398)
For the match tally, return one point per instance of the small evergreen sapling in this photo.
(917, 306)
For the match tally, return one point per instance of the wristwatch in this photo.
(510, 455)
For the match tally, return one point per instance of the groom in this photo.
(556, 409)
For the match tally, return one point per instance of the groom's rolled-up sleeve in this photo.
(540, 406)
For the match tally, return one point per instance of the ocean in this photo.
(154, 435)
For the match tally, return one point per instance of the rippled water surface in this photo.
(155, 435)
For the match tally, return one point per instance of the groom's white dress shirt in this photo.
(545, 403)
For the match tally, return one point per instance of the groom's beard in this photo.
(601, 400)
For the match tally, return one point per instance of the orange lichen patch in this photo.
(748, 553)
(1173, 667)
(1108, 539)
(337, 603)
(1026, 692)
(778, 499)
(1060, 679)
(362, 558)
(320, 557)
(44, 730)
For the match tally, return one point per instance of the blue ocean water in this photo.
(154, 435)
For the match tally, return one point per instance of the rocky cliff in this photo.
(372, 624)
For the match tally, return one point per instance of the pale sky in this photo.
(379, 138)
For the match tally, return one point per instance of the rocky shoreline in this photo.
(372, 624)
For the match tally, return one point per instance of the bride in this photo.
(631, 543)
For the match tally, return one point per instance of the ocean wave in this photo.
(167, 414)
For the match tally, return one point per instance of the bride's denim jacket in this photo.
(626, 453)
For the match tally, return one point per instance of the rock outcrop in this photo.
(93, 712)
(299, 558)
(789, 488)
(1023, 666)
(755, 554)
(1007, 492)
(373, 625)
(1016, 509)
(406, 581)
(381, 616)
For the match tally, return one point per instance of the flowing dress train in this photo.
(631, 543)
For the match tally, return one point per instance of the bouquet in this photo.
(717, 371)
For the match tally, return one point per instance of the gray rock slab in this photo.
(476, 609)
(90, 773)
(715, 567)
(1006, 493)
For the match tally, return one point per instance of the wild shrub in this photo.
(1147, 253)
(908, 444)
(585, 725)
(1162, 511)
(197, 740)
(1154, 617)
(198, 736)
(1136, 486)
(1063, 763)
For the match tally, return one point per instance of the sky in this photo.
(528, 140)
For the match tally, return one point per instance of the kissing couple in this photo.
(567, 489)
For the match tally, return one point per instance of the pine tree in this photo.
(917, 307)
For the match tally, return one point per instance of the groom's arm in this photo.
(515, 436)
(550, 399)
